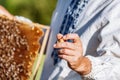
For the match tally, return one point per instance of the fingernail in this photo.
(64, 37)
(54, 45)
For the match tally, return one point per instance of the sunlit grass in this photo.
(40, 69)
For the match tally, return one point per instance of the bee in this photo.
(60, 40)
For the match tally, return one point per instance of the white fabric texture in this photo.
(99, 30)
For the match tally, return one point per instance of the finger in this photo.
(66, 57)
(72, 36)
(5, 12)
(59, 36)
(66, 45)
(66, 52)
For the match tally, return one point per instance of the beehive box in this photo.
(21, 46)
(38, 62)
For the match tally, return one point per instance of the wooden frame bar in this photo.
(37, 64)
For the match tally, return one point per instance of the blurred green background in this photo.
(37, 10)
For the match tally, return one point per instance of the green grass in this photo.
(40, 69)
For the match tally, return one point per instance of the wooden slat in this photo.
(46, 30)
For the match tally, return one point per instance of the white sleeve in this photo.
(23, 19)
(107, 65)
